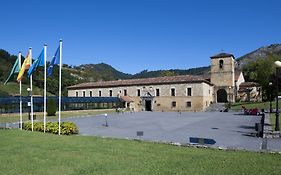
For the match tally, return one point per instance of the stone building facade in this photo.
(175, 93)
(172, 93)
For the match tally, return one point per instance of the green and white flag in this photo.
(15, 69)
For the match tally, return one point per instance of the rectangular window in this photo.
(110, 93)
(157, 92)
(173, 92)
(91, 93)
(188, 104)
(138, 92)
(99, 93)
(84, 93)
(76, 93)
(174, 104)
(125, 92)
(188, 91)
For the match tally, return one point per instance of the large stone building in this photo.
(172, 93)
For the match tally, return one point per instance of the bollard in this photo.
(262, 125)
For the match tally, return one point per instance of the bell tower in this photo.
(223, 77)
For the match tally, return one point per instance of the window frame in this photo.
(173, 92)
(157, 92)
(187, 92)
(174, 104)
(187, 104)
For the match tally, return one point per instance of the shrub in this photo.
(52, 127)
(38, 126)
(51, 107)
(27, 126)
(67, 128)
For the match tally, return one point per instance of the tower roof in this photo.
(222, 55)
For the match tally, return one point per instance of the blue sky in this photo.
(133, 35)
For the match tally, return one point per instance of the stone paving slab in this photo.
(227, 129)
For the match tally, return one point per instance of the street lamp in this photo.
(29, 103)
(277, 64)
(229, 94)
(270, 97)
(105, 116)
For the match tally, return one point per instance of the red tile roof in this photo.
(143, 81)
(222, 55)
(249, 84)
(126, 99)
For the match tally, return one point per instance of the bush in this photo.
(67, 128)
(52, 127)
(51, 107)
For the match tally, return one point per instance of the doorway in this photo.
(148, 105)
(221, 96)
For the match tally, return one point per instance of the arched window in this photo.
(221, 63)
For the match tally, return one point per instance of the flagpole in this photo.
(31, 97)
(60, 83)
(45, 84)
(19, 56)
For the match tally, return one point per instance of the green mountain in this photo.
(261, 53)
(172, 72)
(103, 72)
(69, 75)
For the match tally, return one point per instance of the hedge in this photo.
(67, 128)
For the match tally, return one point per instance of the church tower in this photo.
(223, 77)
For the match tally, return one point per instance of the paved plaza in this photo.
(229, 130)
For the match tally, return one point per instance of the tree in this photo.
(262, 71)
(51, 107)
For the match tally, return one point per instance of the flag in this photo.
(25, 66)
(14, 70)
(37, 63)
(55, 60)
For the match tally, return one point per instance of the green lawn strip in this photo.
(8, 118)
(25, 152)
(251, 105)
(273, 121)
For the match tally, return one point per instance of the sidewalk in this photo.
(271, 139)
(268, 131)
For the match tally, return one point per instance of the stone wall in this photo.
(201, 96)
(222, 76)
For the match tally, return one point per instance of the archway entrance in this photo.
(221, 96)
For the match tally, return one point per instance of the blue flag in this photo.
(55, 60)
(37, 63)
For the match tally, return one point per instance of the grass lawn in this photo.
(251, 105)
(39, 115)
(25, 152)
(273, 121)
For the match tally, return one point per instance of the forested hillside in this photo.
(78, 74)
(257, 66)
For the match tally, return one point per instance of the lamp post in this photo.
(229, 101)
(105, 116)
(270, 97)
(277, 64)
(29, 103)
